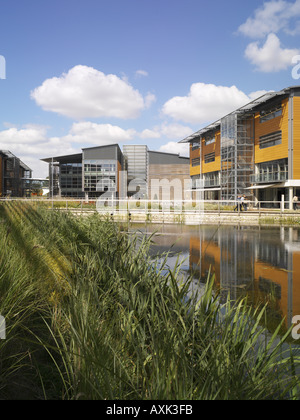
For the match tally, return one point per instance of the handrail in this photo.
(155, 206)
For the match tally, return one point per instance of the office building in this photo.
(106, 169)
(15, 176)
(254, 150)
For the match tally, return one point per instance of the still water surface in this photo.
(258, 261)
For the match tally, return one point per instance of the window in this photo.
(71, 179)
(196, 182)
(195, 144)
(270, 114)
(209, 140)
(276, 170)
(196, 161)
(269, 140)
(212, 179)
(209, 157)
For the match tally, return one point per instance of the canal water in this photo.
(260, 262)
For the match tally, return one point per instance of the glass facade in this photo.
(100, 175)
(54, 182)
(137, 163)
(70, 178)
(237, 154)
(13, 174)
(273, 171)
(212, 179)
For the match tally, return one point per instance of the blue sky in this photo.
(84, 73)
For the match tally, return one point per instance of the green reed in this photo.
(90, 316)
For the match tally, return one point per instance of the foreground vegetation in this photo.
(89, 316)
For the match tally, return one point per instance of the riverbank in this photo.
(89, 315)
(189, 213)
(224, 217)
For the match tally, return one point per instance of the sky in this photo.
(76, 74)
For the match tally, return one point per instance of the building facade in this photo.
(135, 171)
(136, 167)
(101, 170)
(255, 150)
(168, 176)
(15, 176)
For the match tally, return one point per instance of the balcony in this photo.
(206, 183)
(269, 177)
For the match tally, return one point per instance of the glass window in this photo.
(270, 114)
(209, 140)
(209, 157)
(196, 161)
(269, 140)
(195, 144)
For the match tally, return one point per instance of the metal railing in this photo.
(131, 206)
(269, 177)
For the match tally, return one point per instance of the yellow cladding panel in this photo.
(296, 129)
(279, 123)
(194, 170)
(212, 148)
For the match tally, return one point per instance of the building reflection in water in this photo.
(261, 262)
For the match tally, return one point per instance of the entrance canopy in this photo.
(257, 187)
(205, 189)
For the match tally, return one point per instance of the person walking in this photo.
(244, 202)
(295, 202)
(238, 204)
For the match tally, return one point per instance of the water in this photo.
(260, 262)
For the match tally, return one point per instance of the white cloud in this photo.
(258, 93)
(31, 140)
(272, 17)
(140, 73)
(175, 131)
(205, 103)
(270, 57)
(149, 99)
(172, 147)
(29, 134)
(268, 20)
(170, 131)
(150, 134)
(97, 134)
(30, 143)
(85, 92)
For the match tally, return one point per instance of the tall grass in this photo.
(90, 316)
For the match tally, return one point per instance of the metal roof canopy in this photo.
(64, 159)
(10, 155)
(257, 187)
(205, 189)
